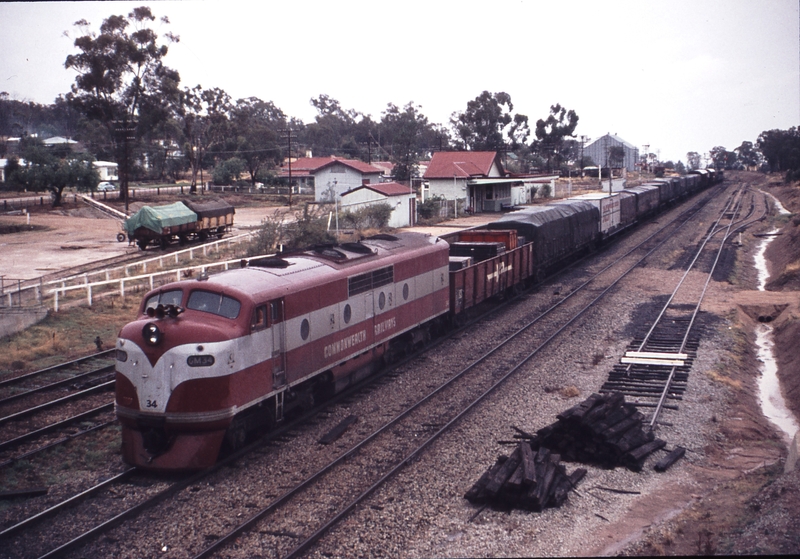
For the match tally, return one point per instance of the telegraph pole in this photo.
(125, 132)
(286, 134)
(584, 139)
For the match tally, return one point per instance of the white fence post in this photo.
(55, 300)
(122, 287)
(89, 294)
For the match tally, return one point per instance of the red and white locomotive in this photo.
(211, 358)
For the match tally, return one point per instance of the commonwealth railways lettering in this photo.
(345, 343)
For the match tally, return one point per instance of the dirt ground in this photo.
(55, 239)
(741, 501)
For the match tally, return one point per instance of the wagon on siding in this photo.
(181, 222)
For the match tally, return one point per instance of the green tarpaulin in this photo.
(158, 217)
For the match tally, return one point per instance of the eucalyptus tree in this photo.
(693, 160)
(257, 126)
(120, 71)
(552, 132)
(204, 118)
(338, 131)
(407, 135)
(45, 171)
(490, 124)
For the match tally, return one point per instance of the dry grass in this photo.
(569, 392)
(67, 334)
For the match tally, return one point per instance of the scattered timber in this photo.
(603, 430)
(664, 464)
(19, 493)
(526, 479)
(339, 430)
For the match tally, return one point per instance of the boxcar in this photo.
(647, 199)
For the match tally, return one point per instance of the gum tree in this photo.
(120, 74)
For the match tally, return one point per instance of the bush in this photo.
(430, 207)
(371, 217)
(227, 171)
(309, 227)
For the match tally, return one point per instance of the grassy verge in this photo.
(67, 334)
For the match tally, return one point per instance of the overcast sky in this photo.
(677, 75)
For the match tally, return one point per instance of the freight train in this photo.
(211, 359)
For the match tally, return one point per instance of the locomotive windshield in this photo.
(172, 297)
(215, 303)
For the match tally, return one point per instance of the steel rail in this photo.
(57, 442)
(63, 504)
(665, 392)
(56, 384)
(5, 445)
(54, 368)
(53, 403)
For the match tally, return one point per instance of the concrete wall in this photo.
(13, 320)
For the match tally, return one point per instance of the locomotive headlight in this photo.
(151, 334)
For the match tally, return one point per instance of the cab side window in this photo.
(259, 320)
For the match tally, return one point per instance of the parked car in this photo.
(105, 186)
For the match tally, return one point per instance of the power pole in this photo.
(286, 133)
(584, 139)
(125, 132)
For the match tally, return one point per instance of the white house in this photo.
(107, 170)
(59, 141)
(3, 163)
(340, 175)
(401, 199)
(476, 177)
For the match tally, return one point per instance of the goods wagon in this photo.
(557, 230)
(647, 199)
(181, 221)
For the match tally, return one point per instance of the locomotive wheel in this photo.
(164, 243)
(142, 244)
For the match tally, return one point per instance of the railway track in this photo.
(655, 369)
(43, 407)
(427, 419)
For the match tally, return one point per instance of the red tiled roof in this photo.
(352, 163)
(307, 164)
(463, 164)
(385, 188)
